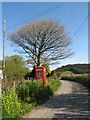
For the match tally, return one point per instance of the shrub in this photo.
(25, 107)
(44, 94)
(11, 105)
(15, 67)
(83, 79)
(27, 76)
(48, 71)
(66, 73)
(54, 85)
(59, 75)
(30, 94)
(0, 107)
(23, 92)
(34, 91)
(54, 75)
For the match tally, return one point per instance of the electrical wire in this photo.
(77, 30)
(36, 16)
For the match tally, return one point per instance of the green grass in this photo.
(66, 73)
(30, 94)
(26, 107)
(0, 108)
(83, 79)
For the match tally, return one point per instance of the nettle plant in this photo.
(11, 105)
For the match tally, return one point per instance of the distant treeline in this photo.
(75, 68)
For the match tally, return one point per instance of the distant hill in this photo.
(75, 68)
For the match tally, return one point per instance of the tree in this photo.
(48, 72)
(15, 67)
(54, 74)
(0, 64)
(43, 39)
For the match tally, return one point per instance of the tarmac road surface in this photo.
(69, 102)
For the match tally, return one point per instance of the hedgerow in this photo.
(83, 79)
(28, 95)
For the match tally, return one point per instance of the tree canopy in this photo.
(41, 40)
(15, 67)
(48, 71)
(0, 64)
(75, 68)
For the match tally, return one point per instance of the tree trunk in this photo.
(38, 61)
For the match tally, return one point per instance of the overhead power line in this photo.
(77, 30)
(36, 16)
(47, 11)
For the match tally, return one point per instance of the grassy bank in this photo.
(83, 79)
(27, 96)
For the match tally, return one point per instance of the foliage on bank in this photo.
(83, 79)
(28, 95)
(15, 67)
(75, 68)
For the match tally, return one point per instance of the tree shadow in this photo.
(70, 106)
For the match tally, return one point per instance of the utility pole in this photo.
(4, 46)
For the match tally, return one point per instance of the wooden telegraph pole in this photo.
(4, 46)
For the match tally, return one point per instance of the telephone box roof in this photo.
(40, 67)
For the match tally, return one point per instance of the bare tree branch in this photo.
(43, 39)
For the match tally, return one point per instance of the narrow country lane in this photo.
(70, 102)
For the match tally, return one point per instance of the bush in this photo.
(34, 88)
(23, 92)
(54, 75)
(34, 91)
(25, 107)
(83, 79)
(66, 73)
(54, 85)
(44, 94)
(15, 67)
(11, 105)
(48, 71)
(30, 94)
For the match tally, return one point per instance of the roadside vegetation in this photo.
(75, 68)
(28, 95)
(83, 79)
(20, 94)
(44, 42)
(76, 72)
(23, 93)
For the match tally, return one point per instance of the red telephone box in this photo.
(40, 72)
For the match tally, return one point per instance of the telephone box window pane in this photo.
(39, 74)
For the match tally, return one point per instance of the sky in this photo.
(45, 0)
(73, 15)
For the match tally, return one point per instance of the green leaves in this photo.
(30, 94)
(34, 91)
(48, 72)
(11, 105)
(23, 92)
(15, 67)
(83, 79)
(54, 85)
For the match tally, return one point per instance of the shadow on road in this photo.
(70, 106)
